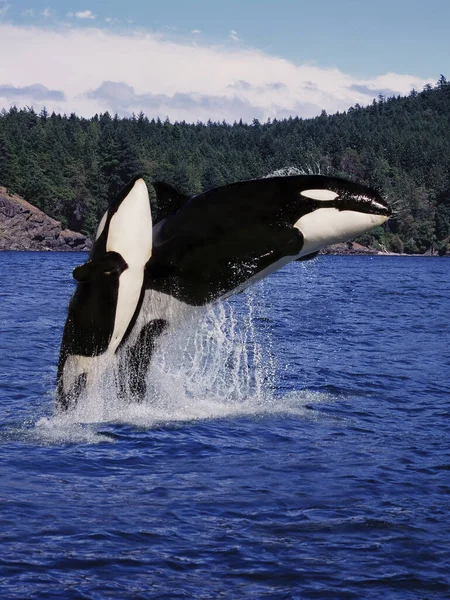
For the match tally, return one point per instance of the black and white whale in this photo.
(109, 292)
(141, 275)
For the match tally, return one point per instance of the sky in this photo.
(196, 60)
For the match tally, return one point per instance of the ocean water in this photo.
(295, 443)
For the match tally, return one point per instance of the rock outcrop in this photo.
(25, 227)
(346, 248)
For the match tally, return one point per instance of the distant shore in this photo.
(355, 249)
(325, 252)
(25, 227)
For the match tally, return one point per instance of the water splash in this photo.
(213, 354)
(220, 355)
(287, 172)
(216, 363)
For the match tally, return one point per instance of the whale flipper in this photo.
(109, 264)
(136, 357)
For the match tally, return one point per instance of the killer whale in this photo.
(223, 240)
(197, 250)
(109, 291)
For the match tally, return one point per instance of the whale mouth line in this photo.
(359, 203)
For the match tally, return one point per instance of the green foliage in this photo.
(71, 167)
(396, 244)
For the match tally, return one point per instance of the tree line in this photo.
(71, 167)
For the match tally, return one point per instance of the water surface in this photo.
(299, 448)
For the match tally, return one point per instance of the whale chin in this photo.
(327, 226)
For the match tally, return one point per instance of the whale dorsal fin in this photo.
(168, 200)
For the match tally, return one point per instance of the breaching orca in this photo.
(197, 250)
(109, 292)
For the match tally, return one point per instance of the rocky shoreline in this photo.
(25, 227)
(350, 248)
(355, 249)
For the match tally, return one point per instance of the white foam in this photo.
(62, 429)
(77, 426)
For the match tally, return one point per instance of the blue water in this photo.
(310, 458)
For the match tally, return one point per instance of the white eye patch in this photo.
(320, 195)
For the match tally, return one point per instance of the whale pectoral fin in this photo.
(67, 399)
(286, 241)
(295, 242)
(110, 263)
(136, 359)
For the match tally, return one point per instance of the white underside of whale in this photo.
(130, 235)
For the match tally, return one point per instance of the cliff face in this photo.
(25, 227)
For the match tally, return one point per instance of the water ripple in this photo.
(310, 460)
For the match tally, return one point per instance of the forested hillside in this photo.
(70, 167)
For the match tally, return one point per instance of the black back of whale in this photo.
(218, 240)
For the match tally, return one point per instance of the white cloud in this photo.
(90, 70)
(83, 14)
(195, 31)
(29, 12)
(47, 13)
(4, 7)
(36, 92)
(234, 35)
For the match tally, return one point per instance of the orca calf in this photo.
(141, 275)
